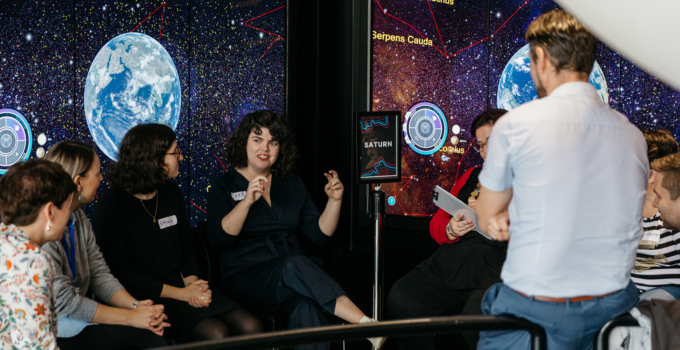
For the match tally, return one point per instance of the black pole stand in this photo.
(378, 216)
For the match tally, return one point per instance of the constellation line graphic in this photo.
(160, 33)
(384, 11)
(245, 23)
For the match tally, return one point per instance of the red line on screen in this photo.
(147, 17)
(264, 14)
(270, 46)
(218, 159)
(264, 31)
(461, 159)
(437, 26)
(162, 16)
(198, 207)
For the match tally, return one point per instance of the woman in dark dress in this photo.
(254, 214)
(143, 233)
(453, 280)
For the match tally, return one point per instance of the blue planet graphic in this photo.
(516, 86)
(132, 81)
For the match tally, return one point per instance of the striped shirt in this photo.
(657, 262)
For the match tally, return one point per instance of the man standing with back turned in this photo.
(565, 177)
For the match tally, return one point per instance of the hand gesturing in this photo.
(334, 187)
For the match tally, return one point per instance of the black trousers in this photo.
(105, 337)
(419, 295)
(291, 285)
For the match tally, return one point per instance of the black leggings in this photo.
(235, 322)
(105, 337)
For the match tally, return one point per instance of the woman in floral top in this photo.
(34, 207)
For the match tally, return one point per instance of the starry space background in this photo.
(465, 83)
(47, 47)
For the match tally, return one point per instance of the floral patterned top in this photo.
(28, 318)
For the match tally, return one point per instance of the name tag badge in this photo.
(167, 222)
(237, 196)
(652, 236)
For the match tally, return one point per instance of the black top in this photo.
(267, 232)
(471, 262)
(141, 254)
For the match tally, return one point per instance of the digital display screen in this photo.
(378, 136)
(79, 71)
(444, 62)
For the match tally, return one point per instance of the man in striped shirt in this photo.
(659, 274)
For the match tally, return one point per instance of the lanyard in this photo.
(70, 253)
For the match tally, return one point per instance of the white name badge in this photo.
(167, 222)
(237, 196)
(652, 236)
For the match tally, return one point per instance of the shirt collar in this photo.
(579, 88)
(13, 230)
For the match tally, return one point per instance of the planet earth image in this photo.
(132, 81)
(516, 86)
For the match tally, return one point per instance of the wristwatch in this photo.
(449, 230)
(134, 305)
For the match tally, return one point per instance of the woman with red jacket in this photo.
(453, 280)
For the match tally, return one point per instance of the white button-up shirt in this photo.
(579, 171)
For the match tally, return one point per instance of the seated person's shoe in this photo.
(378, 341)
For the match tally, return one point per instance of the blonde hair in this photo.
(669, 166)
(75, 157)
(566, 42)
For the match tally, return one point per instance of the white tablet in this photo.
(454, 206)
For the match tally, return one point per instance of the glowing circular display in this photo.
(16, 139)
(425, 128)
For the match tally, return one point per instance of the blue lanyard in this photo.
(70, 253)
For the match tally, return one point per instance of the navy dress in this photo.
(264, 267)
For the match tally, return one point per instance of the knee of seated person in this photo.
(397, 301)
(250, 325)
(656, 293)
(211, 328)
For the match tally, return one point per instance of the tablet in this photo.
(454, 206)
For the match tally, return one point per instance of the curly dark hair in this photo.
(278, 128)
(489, 117)
(27, 187)
(141, 159)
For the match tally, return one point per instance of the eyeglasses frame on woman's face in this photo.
(176, 153)
(478, 147)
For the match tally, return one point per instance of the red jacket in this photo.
(439, 221)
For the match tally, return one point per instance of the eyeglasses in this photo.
(478, 147)
(176, 153)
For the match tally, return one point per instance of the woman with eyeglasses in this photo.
(454, 279)
(142, 229)
(80, 270)
(34, 205)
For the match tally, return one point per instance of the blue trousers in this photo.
(569, 325)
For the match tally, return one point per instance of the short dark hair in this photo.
(566, 42)
(278, 128)
(669, 166)
(140, 167)
(488, 117)
(27, 187)
(75, 157)
(660, 143)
